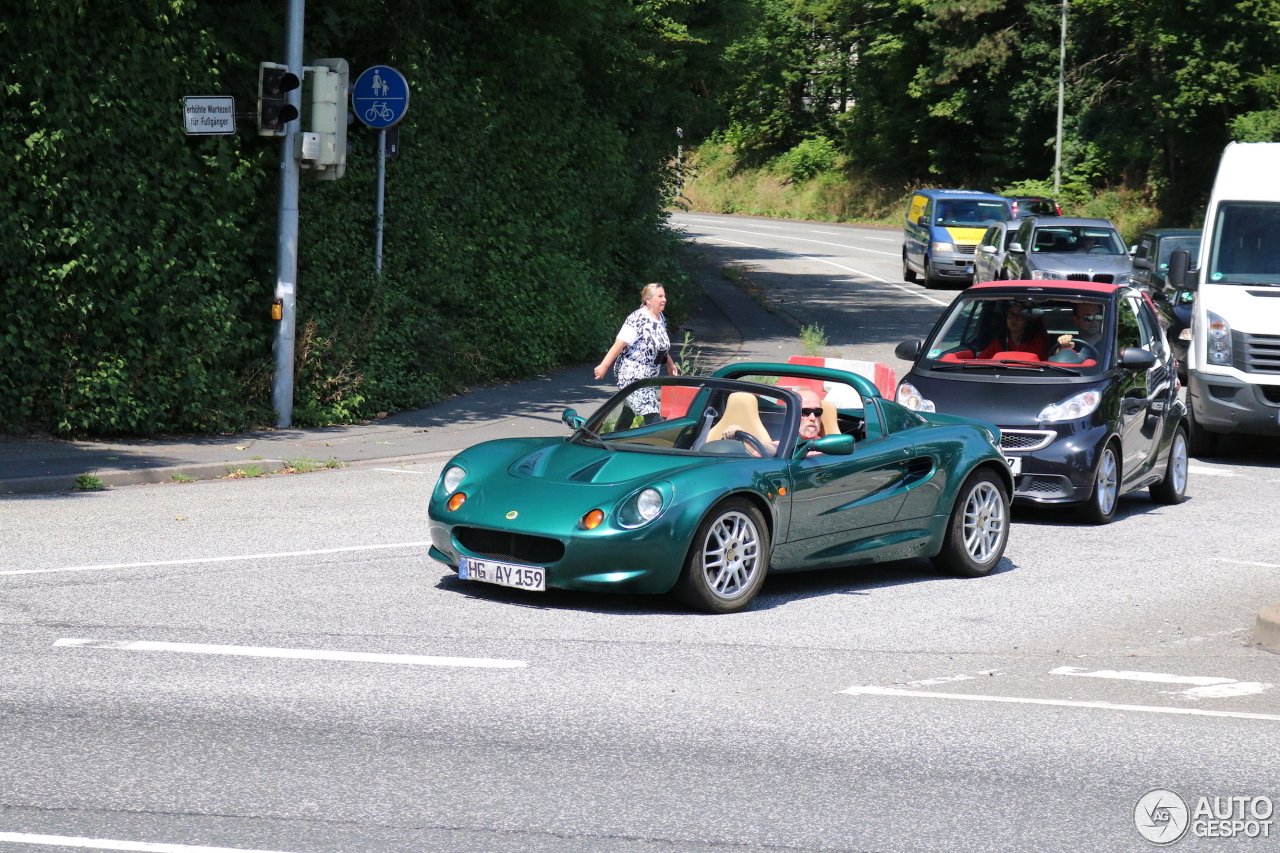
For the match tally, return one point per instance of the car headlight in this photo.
(1219, 339)
(943, 247)
(452, 478)
(1123, 278)
(911, 398)
(1040, 275)
(641, 509)
(1071, 408)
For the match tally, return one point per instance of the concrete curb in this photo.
(54, 483)
(1267, 632)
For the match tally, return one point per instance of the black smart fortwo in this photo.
(1079, 378)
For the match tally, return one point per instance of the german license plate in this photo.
(503, 574)
(1015, 464)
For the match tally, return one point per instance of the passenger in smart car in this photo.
(1024, 332)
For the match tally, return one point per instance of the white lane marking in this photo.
(299, 654)
(1228, 691)
(406, 471)
(1246, 563)
(820, 242)
(1211, 472)
(216, 559)
(109, 844)
(945, 679)
(1126, 675)
(1062, 703)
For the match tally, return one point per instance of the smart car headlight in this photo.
(641, 508)
(1219, 339)
(452, 478)
(911, 398)
(1071, 408)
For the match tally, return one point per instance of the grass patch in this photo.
(334, 462)
(813, 339)
(247, 472)
(731, 273)
(301, 465)
(181, 478)
(89, 483)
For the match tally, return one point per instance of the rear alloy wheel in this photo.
(1101, 506)
(1173, 488)
(978, 529)
(728, 559)
(1200, 442)
(908, 274)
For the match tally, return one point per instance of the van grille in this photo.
(966, 250)
(509, 547)
(1255, 353)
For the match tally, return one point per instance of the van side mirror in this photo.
(908, 350)
(1015, 247)
(1137, 358)
(571, 419)
(1179, 264)
(832, 445)
(923, 222)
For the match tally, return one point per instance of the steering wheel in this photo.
(751, 441)
(1085, 349)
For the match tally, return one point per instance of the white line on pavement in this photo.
(109, 844)
(1126, 675)
(1247, 563)
(216, 559)
(406, 471)
(1062, 703)
(820, 242)
(299, 654)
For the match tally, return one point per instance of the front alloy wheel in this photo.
(978, 530)
(1101, 506)
(728, 559)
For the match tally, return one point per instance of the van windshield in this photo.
(1245, 249)
(971, 212)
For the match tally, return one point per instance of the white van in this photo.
(1233, 362)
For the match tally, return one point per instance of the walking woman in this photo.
(641, 348)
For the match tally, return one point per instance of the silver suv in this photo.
(1068, 248)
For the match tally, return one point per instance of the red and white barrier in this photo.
(882, 375)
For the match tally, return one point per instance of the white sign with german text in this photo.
(209, 115)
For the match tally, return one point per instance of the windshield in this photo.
(1024, 336)
(1078, 239)
(1245, 249)
(970, 212)
(694, 415)
(1169, 245)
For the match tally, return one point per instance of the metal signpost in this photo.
(380, 98)
(287, 228)
(209, 115)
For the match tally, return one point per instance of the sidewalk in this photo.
(726, 325)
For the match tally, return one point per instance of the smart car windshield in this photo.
(1245, 250)
(973, 213)
(1024, 335)
(1077, 239)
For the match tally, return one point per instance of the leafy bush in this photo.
(807, 159)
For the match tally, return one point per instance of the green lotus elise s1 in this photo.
(760, 468)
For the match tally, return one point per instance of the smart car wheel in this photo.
(978, 529)
(728, 559)
(1173, 488)
(1101, 506)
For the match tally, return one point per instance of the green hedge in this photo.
(136, 264)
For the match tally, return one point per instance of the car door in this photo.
(1015, 262)
(1144, 391)
(835, 499)
(917, 236)
(984, 260)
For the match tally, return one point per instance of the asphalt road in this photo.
(275, 664)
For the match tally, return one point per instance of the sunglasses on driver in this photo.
(817, 413)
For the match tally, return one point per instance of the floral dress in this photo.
(646, 338)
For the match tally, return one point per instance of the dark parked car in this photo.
(1079, 379)
(1150, 267)
(1033, 205)
(1068, 248)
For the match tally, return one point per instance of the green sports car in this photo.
(762, 467)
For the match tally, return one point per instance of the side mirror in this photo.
(571, 419)
(832, 445)
(990, 250)
(1142, 264)
(1133, 250)
(1179, 264)
(908, 350)
(1016, 247)
(1137, 358)
(923, 222)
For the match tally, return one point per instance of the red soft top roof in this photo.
(1058, 284)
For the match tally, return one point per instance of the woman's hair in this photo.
(649, 290)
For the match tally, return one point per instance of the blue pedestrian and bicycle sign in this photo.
(380, 97)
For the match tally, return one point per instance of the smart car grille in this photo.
(1045, 487)
(1256, 353)
(1101, 278)
(509, 547)
(1028, 439)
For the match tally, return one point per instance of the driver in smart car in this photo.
(1089, 318)
(810, 421)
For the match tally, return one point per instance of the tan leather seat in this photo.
(741, 410)
(830, 426)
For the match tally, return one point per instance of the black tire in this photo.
(1173, 488)
(908, 274)
(735, 528)
(1200, 442)
(1102, 503)
(978, 529)
(930, 281)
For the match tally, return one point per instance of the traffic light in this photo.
(329, 81)
(273, 111)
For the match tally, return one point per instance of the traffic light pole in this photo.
(287, 229)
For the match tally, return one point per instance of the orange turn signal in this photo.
(593, 519)
(458, 499)
(782, 490)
